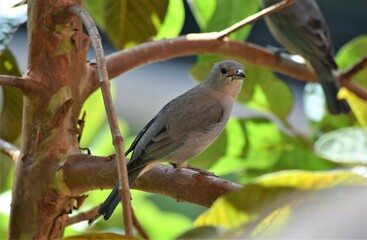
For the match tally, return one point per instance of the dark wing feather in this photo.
(138, 137)
(158, 147)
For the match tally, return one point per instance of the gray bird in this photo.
(184, 127)
(302, 29)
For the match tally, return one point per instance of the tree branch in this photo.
(111, 116)
(184, 185)
(23, 84)
(207, 43)
(201, 43)
(345, 77)
(84, 216)
(9, 150)
(348, 74)
(138, 226)
(253, 18)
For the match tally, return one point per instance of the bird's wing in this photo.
(171, 127)
(304, 25)
(140, 134)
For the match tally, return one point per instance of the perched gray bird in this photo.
(184, 127)
(302, 29)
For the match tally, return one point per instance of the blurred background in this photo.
(140, 93)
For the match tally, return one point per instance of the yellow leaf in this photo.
(358, 105)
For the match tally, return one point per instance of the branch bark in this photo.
(184, 185)
(201, 43)
(23, 84)
(207, 43)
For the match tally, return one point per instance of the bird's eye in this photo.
(223, 71)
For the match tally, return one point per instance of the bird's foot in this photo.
(199, 171)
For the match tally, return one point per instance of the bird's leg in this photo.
(200, 171)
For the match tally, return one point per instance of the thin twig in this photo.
(111, 116)
(23, 84)
(253, 18)
(9, 150)
(138, 226)
(347, 75)
(84, 216)
(354, 88)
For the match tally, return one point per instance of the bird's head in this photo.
(227, 71)
(226, 76)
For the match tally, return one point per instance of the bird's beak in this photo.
(240, 74)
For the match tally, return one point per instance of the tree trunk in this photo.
(56, 62)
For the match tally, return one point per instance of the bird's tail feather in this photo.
(109, 205)
(330, 87)
(113, 199)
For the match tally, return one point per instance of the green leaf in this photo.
(225, 14)
(231, 211)
(6, 166)
(171, 222)
(256, 146)
(310, 180)
(97, 11)
(274, 195)
(95, 117)
(145, 210)
(202, 11)
(345, 145)
(205, 232)
(350, 54)
(174, 20)
(331, 122)
(96, 134)
(132, 22)
(12, 101)
(100, 236)
(265, 92)
(101, 143)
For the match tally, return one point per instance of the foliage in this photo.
(277, 166)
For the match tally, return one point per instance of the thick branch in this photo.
(183, 185)
(203, 43)
(9, 150)
(208, 43)
(111, 116)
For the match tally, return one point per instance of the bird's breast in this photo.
(197, 141)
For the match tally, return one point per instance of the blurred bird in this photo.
(184, 127)
(302, 29)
